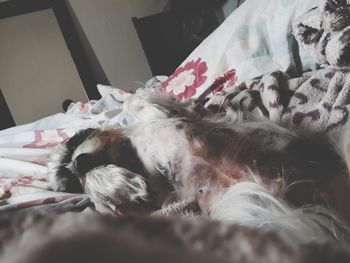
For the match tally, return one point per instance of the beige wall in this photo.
(108, 27)
(36, 70)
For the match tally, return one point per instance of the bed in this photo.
(257, 61)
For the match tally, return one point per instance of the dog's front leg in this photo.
(116, 185)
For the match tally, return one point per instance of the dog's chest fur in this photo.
(202, 159)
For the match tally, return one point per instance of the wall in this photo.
(37, 72)
(111, 34)
(112, 43)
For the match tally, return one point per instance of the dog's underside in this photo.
(235, 170)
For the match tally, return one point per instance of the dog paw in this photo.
(116, 185)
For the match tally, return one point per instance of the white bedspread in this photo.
(254, 40)
(24, 149)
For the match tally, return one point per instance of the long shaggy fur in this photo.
(73, 238)
(179, 148)
(250, 204)
(104, 186)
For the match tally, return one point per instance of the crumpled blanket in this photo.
(24, 152)
(315, 102)
(324, 31)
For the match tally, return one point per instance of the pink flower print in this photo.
(227, 80)
(123, 92)
(49, 200)
(6, 184)
(84, 107)
(47, 138)
(26, 180)
(185, 81)
(42, 160)
(178, 85)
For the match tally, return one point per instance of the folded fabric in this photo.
(317, 102)
(324, 32)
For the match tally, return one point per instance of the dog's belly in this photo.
(306, 171)
(202, 163)
(207, 185)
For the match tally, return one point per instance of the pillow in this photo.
(324, 32)
(255, 39)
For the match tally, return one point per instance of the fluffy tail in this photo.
(250, 204)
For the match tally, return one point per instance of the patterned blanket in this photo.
(317, 101)
(324, 32)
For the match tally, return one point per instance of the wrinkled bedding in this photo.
(24, 151)
(251, 63)
(318, 102)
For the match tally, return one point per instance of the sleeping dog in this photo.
(247, 172)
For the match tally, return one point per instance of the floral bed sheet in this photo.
(253, 40)
(24, 151)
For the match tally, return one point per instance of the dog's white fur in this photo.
(246, 203)
(250, 204)
(103, 182)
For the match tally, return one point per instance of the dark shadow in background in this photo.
(97, 70)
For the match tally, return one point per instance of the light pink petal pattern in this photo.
(185, 81)
(222, 82)
(84, 107)
(47, 138)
